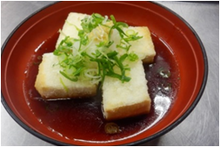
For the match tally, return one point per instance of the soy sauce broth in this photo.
(82, 119)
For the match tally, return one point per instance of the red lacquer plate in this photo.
(176, 43)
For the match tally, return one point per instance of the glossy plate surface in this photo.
(181, 40)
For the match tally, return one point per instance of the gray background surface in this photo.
(201, 127)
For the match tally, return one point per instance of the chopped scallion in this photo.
(78, 61)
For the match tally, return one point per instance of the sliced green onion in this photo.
(64, 86)
(76, 59)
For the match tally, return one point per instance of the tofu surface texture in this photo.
(70, 26)
(52, 85)
(120, 100)
(143, 47)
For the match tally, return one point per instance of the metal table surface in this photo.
(201, 127)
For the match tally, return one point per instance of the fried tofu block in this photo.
(70, 26)
(143, 47)
(121, 100)
(52, 85)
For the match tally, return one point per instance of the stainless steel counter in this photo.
(201, 127)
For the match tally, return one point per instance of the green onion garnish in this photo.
(79, 62)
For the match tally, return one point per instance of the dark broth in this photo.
(83, 119)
